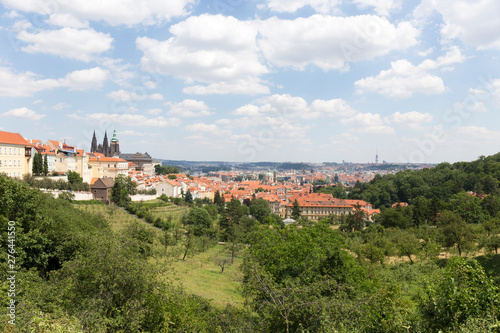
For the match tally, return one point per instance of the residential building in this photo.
(15, 155)
(107, 167)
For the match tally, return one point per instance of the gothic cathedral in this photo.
(108, 150)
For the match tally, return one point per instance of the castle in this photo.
(113, 149)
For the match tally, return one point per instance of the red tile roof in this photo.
(13, 139)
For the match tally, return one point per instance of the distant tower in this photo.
(114, 145)
(376, 157)
(93, 145)
(105, 146)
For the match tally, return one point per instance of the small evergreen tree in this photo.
(37, 164)
(45, 166)
(296, 211)
(189, 197)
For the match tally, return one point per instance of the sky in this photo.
(417, 81)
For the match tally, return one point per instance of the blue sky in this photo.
(256, 80)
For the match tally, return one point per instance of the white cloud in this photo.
(381, 7)
(113, 12)
(239, 87)
(23, 113)
(412, 119)
(290, 6)
(61, 106)
(154, 112)
(189, 108)
(22, 84)
(207, 129)
(214, 49)
(85, 79)
(473, 22)
(123, 95)
(131, 133)
(333, 107)
(331, 42)
(127, 119)
(370, 123)
(66, 21)
(67, 43)
(404, 79)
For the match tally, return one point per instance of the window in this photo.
(19, 162)
(10, 151)
(10, 162)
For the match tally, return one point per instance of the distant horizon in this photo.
(417, 81)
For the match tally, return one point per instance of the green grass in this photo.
(170, 213)
(200, 275)
(117, 217)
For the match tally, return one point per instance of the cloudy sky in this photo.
(256, 80)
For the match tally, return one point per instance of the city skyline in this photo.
(249, 81)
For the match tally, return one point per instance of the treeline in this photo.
(439, 183)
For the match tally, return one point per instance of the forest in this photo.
(428, 262)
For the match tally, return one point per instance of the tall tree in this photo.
(37, 164)
(45, 165)
(189, 197)
(296, 211)
(122, 189)
(260, 209)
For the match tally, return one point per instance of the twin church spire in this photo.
(113, 149)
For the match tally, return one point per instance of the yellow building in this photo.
(15, 155)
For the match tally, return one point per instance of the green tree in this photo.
(122, 189)
(455, 232)
(37, 164)
(260, 209)
(199, 220)
(189, 197)
(463, 291)
(291, 275)
(74, 177)
(45, 165)
(296, 211)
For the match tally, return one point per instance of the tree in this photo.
(199, 220)
(217, 198)
(407, 244)
(463, 291)
(296, 211)
(260, 209)
(455, 232)
(291, 275)
(74, 177)
(45, 165)
(122, 189)
(37, 164)
(189, 197)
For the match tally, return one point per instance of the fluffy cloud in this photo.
(404, 79)
(113, 12)
(23, 113)
(290, 6)
(334, 108)
(67, 43)
(330, 42)
(381, 7)
(23, 84)
(207, 129)
(412, 119)
(127, 119)
(213, 49)
(189, 108)
(85, 79)
(473, 22)
(370, 123)
(123, 96)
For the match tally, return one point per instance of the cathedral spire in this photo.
(105, 146)
(93, 145)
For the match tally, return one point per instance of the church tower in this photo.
(114, 145)
(93, 145)
(105, 146)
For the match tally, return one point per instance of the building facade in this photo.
(15, 155)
